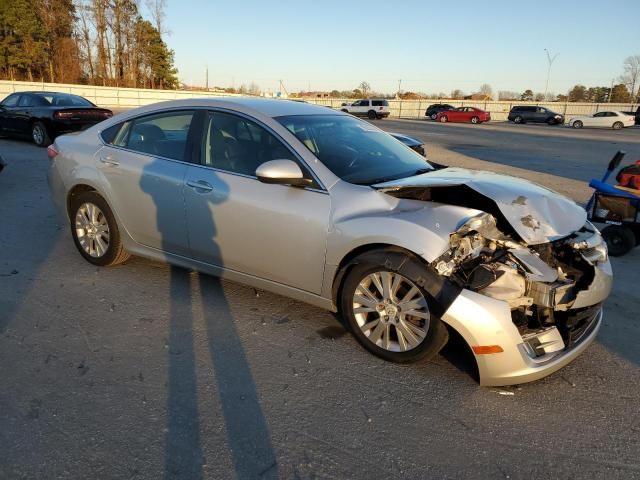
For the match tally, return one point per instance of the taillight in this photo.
(52, 152)
(62, 115)
(107, 114)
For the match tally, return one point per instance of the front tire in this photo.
(388, 313)
(577, 124)
(444, 119)
(618, 126)
(95, 231)
(40, 135)
(518, 119)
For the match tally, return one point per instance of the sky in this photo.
(432, 46)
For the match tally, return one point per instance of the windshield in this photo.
(355, 150)
(64, 100)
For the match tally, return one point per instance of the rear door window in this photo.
(25, 101)
(163, 134)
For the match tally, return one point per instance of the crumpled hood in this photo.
(537, 214)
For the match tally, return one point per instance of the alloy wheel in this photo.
(92, 230)
(38, 134)
(391, 311)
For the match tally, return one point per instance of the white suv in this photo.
(372, 109)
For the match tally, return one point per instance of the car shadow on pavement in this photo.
(248, 437)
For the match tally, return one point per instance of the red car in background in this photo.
(464, 114)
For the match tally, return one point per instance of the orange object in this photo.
(487, 349)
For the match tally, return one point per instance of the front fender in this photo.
(423, 230)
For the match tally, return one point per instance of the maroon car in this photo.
(464, 115)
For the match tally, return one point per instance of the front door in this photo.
(274, 232)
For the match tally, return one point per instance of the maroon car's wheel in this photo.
(475, 120)
(444, 119)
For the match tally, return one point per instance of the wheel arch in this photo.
(77, 190)
(439, 288)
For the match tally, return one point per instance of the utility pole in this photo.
(207, 78)
(550, 61)
(610, 91)
(399, 85)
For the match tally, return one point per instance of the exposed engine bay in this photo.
(540, 282)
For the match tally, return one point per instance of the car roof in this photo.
(266, 106)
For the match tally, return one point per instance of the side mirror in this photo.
(283, 172)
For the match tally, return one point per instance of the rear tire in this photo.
(95, 231)
(577, 124)
(620, 240)
(371, 115)
(618, 126)
(444, 119)
(397, 335)
(475, 120)
(40, 135)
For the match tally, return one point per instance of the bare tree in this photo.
(84, 35)
(157, 10)
(365, 88)
(486, 90)
(631, 75)
(457, 93)
(508, 95)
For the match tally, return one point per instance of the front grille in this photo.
(575, 325)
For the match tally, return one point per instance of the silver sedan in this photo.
(328, 209)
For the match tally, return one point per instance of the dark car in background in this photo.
(412, 143)
(42, 116)
(534, 114)
(436, 108)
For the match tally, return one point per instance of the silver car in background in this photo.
(328, 209)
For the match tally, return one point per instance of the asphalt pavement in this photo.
(147, 371)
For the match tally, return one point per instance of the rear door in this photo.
(144, 167)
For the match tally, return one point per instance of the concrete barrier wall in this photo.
(123, 98)
(498, 110)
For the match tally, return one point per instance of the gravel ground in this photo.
(148, 371)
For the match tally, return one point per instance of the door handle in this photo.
(109, 161)
(200, 185)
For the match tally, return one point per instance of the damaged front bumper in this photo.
(482, 320)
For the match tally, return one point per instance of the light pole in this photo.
(550, 61)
